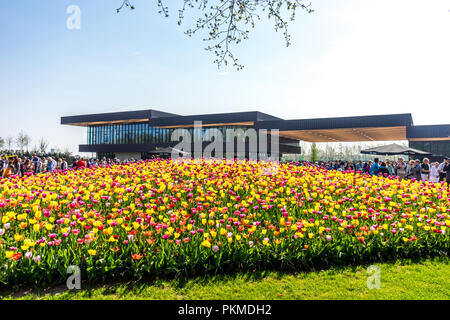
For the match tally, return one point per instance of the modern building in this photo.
(138, 133)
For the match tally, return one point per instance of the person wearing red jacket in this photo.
(81, 164)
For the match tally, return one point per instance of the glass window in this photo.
(139, 132)
(131, 132)
(136, 133)
(144, 133)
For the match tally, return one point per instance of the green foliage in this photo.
(400, 280)
(314, 152)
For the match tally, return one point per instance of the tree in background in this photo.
(332, 151)
(228, 22)
(9, 142)
(2, 143)
(314, 152)
(23, 140)
(329, 153)
(27, 141)
(43, 145)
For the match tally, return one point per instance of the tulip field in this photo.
(172, 218)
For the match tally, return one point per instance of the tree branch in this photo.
(227, 22)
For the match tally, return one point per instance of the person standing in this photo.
(58, 164)
(367, 167)
(81, 164)
(400, 168)
(3, 162)
(22, 165)
(36, 162)
(447, 171)
(17, 166)
(390, 168)
(434, 174)
(417, 170)
(425, 170)
(43, 165)
(414, 171)
(359, 166)
(375, 167)
(409, 170)
(64, 165)
(51, 164)
(28, 167)
(441, 170)
(9, 170)
(383, 170)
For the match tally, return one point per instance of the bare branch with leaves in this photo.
(228, 22)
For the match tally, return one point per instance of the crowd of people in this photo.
(20, 166)
(23, 166)
(412, 169)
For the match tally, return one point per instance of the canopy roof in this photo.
(394, 149)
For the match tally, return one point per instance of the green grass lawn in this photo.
(429, 279)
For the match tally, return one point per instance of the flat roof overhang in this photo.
(429, 133)
(114, 117)
(348, 134)
(283, 148)
(217, 119)
(343, 129)
(209, 125)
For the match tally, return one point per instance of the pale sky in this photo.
(350, 57)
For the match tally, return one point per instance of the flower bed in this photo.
(165, 217)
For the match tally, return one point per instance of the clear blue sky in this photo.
(348, 58)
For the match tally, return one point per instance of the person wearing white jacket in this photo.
(434, 173)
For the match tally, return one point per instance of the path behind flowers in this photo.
(402, 280)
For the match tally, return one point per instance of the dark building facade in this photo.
(434, 139)
(136, 133)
